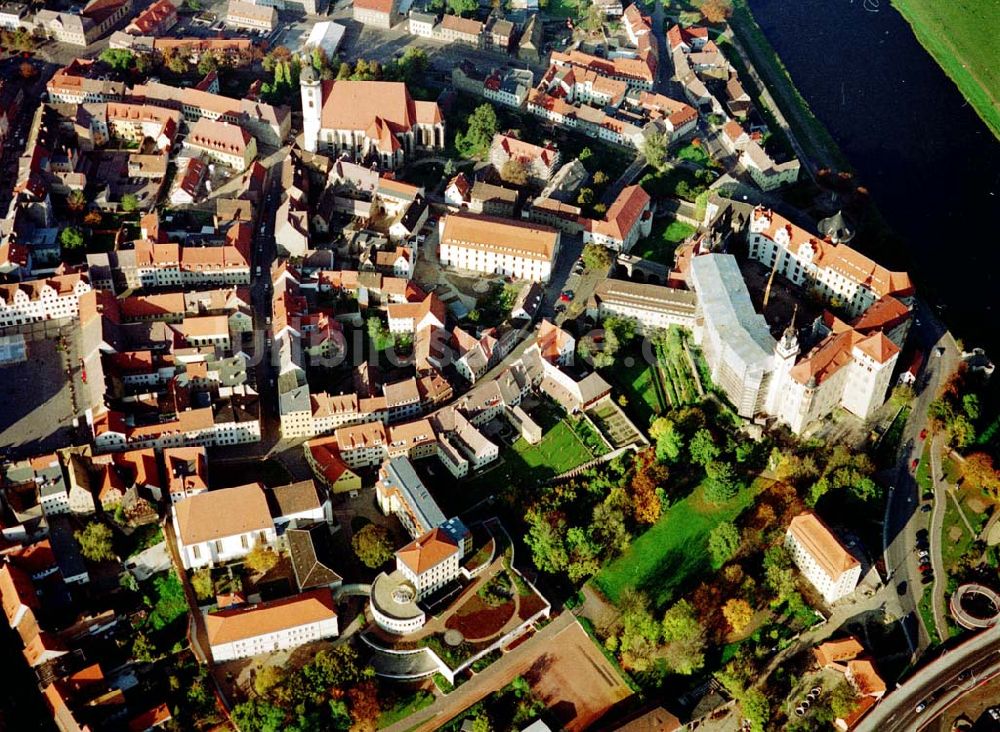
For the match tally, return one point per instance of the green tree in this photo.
(143, 650)
(547, 540)
(372, 545)
(202, 583)
(169, 603)
(723, 543)
(175, 63)
(600, 178)
(721, 483)
(684, 639)
(344, 72)
(703, 448)
(585, 197)
(971, 407)
(779, 577)
(608, 527)
(268, 678)
(597, 257)
(461, 7)
(95, 542)
(207, 64)
(129, 202)
(119, 59)
(756, 709)
(143, 63)
(319, 59)
(378, 333)
(71, 238)
(76, 201)
(843, 699)
(261, 558)
(654, 149)
(669, 440)
(258, 715)
(481, 129)
(413, 66)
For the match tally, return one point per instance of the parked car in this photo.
(926, 507)
(923, 434)
(915, 463)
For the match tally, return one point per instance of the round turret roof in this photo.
(308, 74)
(836, 229)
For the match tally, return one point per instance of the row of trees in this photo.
(334, 691)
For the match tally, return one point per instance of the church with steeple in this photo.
(373, 122)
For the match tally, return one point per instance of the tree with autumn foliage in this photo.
(716, 11)
(738, 614)
(648, 482)
(980, 472)
(363, 702)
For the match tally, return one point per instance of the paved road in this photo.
(496, 676)
(937, 685)
(902, 518)
(936, 539)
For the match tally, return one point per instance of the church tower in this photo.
(312, 106)
(786, 351)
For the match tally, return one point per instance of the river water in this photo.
(930, 163)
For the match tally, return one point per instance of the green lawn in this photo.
(694, 153)
(560, 450)
(926, 610)
(962, 38)
(636, 382)
(404, 707)
(562, 8)
(953, 545)
(659, 246)
(924, 478)
(673, 550)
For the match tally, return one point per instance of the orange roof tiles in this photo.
(220, 513)
(427, 551)
(227, 626)
(624, 213)
(503, 236)
(840, 258)
(522, 150)
(16, 589)
(220, 136)
(367, 434)
(865, 678)
(836, 651)
(820, 542)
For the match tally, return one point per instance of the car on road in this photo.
(994, 713)
(566, 296)
(920, 707)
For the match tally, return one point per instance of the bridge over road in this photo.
(937, 685)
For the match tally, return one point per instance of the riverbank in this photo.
(961, 39)
(810, 133)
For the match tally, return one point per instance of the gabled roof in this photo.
(311, 553)
(843, 649)
(221, 513)
(427, 551)
(820, 542)
(624, 214)
(227, 626)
